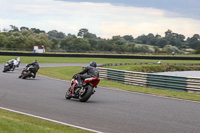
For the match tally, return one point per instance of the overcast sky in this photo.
(105, 18)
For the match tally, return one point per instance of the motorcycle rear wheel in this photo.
(87, 93)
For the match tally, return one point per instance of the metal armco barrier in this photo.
(167, 82)
(177, 83)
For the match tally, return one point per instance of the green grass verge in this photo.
(17, 123)
(155, 68)
(66, 73)
(28, 59)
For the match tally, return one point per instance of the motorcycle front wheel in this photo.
(27, 74)
(6, 69)
(68, 94)
(85, 93)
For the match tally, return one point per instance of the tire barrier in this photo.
(177, 83)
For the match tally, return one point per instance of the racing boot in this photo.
(79, 84)
(34, 75)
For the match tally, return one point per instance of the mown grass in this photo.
(17, 123)
(28, 59)
(155, 68)
(65, 73)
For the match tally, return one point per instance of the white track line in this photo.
(47, 119)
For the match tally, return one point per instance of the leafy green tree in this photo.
(197, 51)
(53, 33)
(55, 43)
(162, 42)
(156, 49)
(181, 37)
(82, 32)
(24, 28)
(93, 43)
(103, 45)
(90, 35)
(15, 40)
(80, 44)
(194, 41)
(131, 47)
(33, 39)
(170, 49)
(118, 40)
(14, 28)
(168, 34)
(195, 44)
(128, 38)
(142, 39)
(56, 34)
(158, 36)
(37, 31)
(2, 40)
(143, 49)
(70, 35)
(67, 43)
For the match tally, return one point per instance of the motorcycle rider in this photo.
(36, 67)
(14, 63)
(17, 61)
(11, 64)
(88, 72)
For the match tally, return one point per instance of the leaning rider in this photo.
(36, 67)
(88, 72)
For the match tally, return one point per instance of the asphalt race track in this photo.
(108, 110)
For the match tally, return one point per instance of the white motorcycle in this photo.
(11, 64)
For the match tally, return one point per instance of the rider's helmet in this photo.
(93, 64)
(35, 61)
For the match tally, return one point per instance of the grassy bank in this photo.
(17, 123)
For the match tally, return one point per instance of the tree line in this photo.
(84, 41)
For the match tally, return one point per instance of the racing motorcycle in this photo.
(83, 93)
(9, 66)
(27, 72)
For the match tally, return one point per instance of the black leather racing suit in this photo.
(36, 67)
(88, 72)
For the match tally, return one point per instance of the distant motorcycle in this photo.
(9, 66)
(27, 72)
(83, 93)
